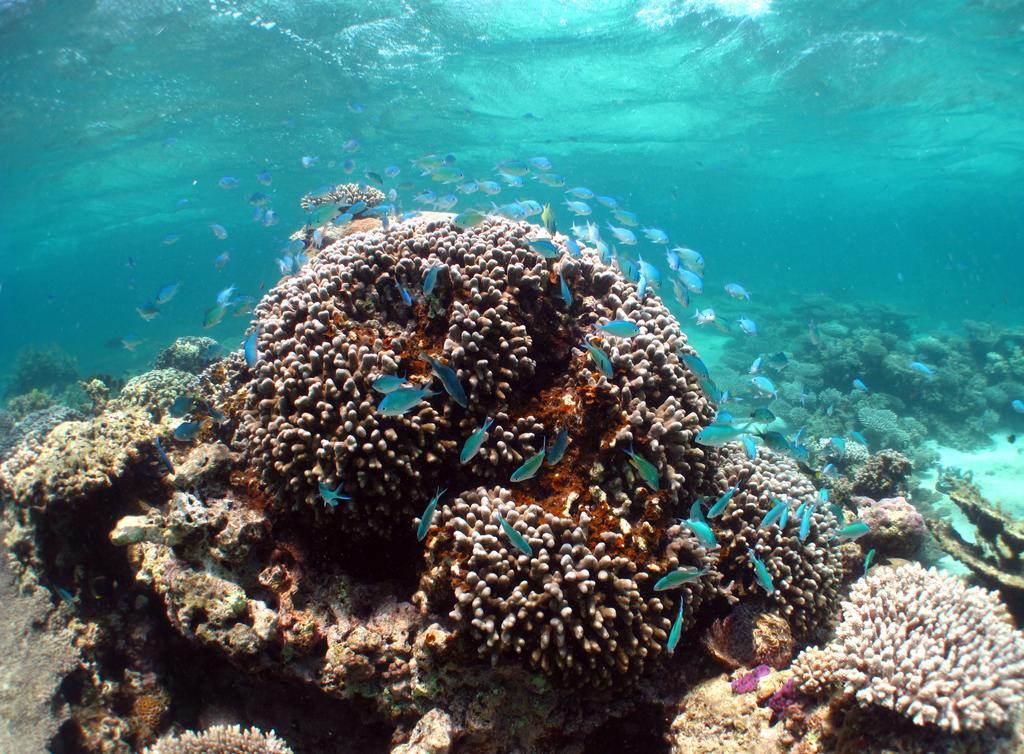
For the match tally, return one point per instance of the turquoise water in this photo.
(869, 151)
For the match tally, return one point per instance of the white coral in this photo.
(926, 645)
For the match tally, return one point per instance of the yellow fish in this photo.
(547, 216)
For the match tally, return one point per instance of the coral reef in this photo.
(750, 636)
(896, 528)
(923, 644)
(188, 354)
(806, 575)
(996, 558)
(221, 739)
(156, 390)
(43, 369)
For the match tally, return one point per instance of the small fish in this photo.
(249, 347)
(187, 430)
(490, 187)
(581, 209)
(829, 470)
(551, 179)
(805, 521)
(227, 182)
(705, 316)
(181, 406)
(355, 107)
(600, 358)
(869, 560)
(430, 279)
(774, 514)
(852, 531)
(475, 442)
(449, 379)
(702, 531)
(446, 202)
(224, 297)
(406, 298)
(402, 400)
(147, 311)
(269, 218)
(580, 193)
(838, 443)
(219, 230)
(784, 519)
(838, 512)
(776, 441)
(755, 366)
(428, 515)
(425, 197)
(823, 494)
(214, 315)
(566, 293)
(547, 216)
(737, 291)
(859, 438)
(858, 384)
(647, 470)
(350, 145)
(221, 260)
(764, 386)
(574, 248)
(695, 364)
(392, 171)
(678, 577)
(515, 537)
(162, 455)
(171, 239)
(469, 219)
(513, 167)
(558, 447)
(626, 217)
(446, 174)
(389, 383)
(540, 163)
(655, 235)
(763, 415)
(719, 507)
(747, 325)
(829, 410)
(265, 178)
(716, 435)
(607, 201)
(764, 579)
(677, 628)
(749, 446)
(924, 369)
(530, 467)
(620, 328)
(309, 161)
(694, 284)
(778, 360)
(623, 235)
(469, 187)
(1017, 405)
(545, 247)
(332, 497)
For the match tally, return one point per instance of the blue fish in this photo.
(515, 537)
(719, 507)
(697, 510)
(265, 178)
(227, 182)
(924, 369)
(852, 531)
(530, 466)
(1017, 405)
(545, 247)
(449, 379)
(764, 386)
(702, 531)
(858, 384)
(677, 628)
(784, 518)
(823, 494)
(748, 446)
(566, 293)
(774, 514)
(428, 515)
(829, 470)
(694, 283)
(748, 326)
(430, 280)
(678, 577)
(620, 328)
(805, 521)
(187, 430)
(181, 405)
(764, 579)
(859, 438)
(475, 442)
(332, 497)
(574, 248)
(715, 435)
(600, 358)
(402, 400)
(869, 559)
(388, 383)
(406, 298)
(838, 443)
(558, 447)
(249, 347)
(647, 470)
(162, 455)
(695, 364)
(166, 293)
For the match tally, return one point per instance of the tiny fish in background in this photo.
(737, 291)
(219, 230)
(331, 497)
(858, 384)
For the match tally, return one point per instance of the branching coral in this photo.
(926, 645)
(221, 739)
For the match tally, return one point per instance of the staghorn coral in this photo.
(156, 390)
(343, 195)
(221, 739)
(495, 317)
(926, 645)
(806, 575)
(579, 609)
(188, 354)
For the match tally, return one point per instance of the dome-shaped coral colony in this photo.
(582, 607)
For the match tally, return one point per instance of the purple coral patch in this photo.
(748, 682)
(782, 699)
